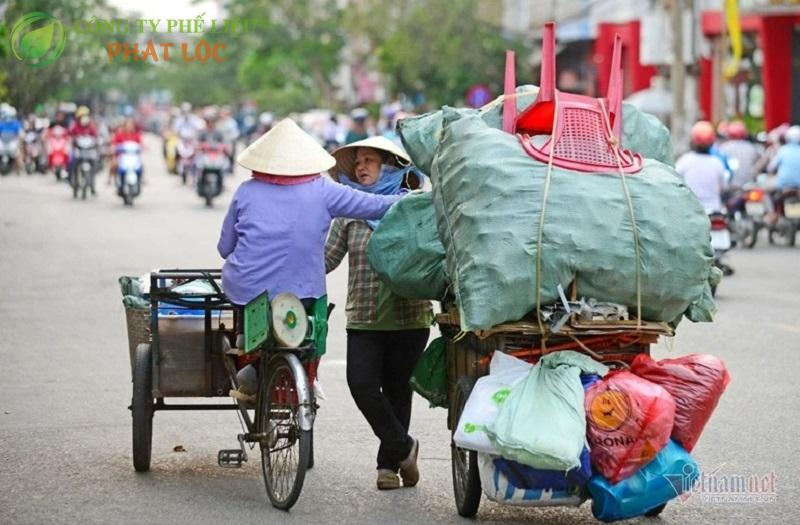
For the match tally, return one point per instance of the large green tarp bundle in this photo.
(641, 132)
(406, 252)
(488, 196)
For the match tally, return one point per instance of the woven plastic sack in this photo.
(405, 250)
(641, 132)
(542, 422)
(429, 378)
(670, 474)
(488, 197)
(695, 381)
(485, 400)
(629, 421)
(501, 489)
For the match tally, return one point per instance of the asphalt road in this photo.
(65, 431)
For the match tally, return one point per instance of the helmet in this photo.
(359, 114)
(722, 128)
(186, 107)
(210, 112)
(702, 133)
(81, 111)
(737, 130)
(793, 134)
(266, 118)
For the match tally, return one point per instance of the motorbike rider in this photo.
(227, 126)
(358, 127)
(82, 127)
(186, 124)
(265, 121)
(703, 172)
(786, 164)
(742, 156)
(127, 132)
(11, 126)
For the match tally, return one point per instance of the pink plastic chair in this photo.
(581, 140)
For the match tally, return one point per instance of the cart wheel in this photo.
(285, 455)
(142, 408)
(466, 482)
(655, 511)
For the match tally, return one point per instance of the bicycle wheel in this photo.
(466, 481)
(286, 449)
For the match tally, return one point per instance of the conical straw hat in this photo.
(346, 155)
(286, 150)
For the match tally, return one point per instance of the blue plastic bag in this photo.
(671, 473)
(524, 476)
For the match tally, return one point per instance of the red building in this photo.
(636, 75)
(771, 66)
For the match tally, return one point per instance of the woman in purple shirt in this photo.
(273, 236)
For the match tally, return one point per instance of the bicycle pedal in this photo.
(231, 458)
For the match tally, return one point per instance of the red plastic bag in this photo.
(629, 421)
(695, 381)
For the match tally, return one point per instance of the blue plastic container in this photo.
(671, 473)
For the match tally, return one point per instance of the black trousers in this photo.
(379, 365)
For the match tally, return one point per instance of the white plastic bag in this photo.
(498, 488)
(484, 402)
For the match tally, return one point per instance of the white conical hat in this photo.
(286, 150)
(346, 155)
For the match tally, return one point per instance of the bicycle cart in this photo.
(185, 345)
(614, 343)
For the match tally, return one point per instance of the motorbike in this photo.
(85, 165)
(58, 152)
(129, 170)
(721, 243)
(185, 152)
(749, 217)
(9, 150)
(35, 159)
(787, 208)
(213, 163)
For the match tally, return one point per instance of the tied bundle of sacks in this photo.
(478, 231)
(568, 428)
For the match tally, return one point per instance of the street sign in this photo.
(479, 95)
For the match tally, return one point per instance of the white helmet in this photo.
(793, 135)
(186, 107)
(266, 118)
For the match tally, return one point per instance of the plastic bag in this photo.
(629, 422)
(405, 250)
(543, 423)
(498, 487)
(524, 476)
(671, 473)
(483, 405)
(430, 374)
(695, 381)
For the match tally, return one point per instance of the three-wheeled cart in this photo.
(615, 343)
(185, 345)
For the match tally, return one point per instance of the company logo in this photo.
(38, 39)
(609, 410)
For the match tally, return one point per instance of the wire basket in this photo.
(138, 320)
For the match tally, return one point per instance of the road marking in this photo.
(787, 327)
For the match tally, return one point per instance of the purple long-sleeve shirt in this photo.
(273, 236)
